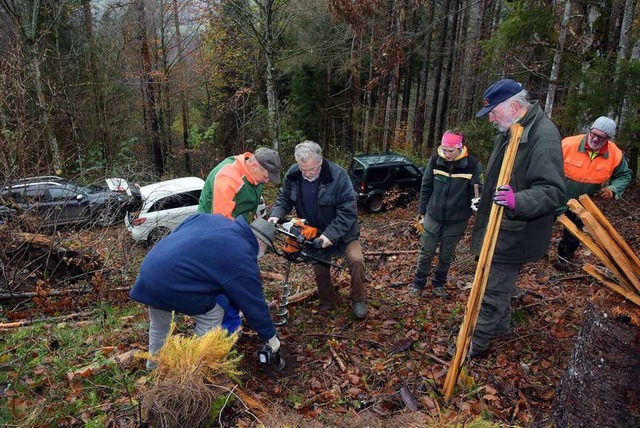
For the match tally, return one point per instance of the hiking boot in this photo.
(518, 294)
(440, 292)
(415, 291)
(327, 307)
(360, 310)
(475, 354)
(471, 354)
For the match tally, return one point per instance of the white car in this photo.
(158, 208)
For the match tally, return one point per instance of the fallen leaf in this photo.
(354, 392)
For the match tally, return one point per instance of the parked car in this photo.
(156, 209)
(373, 175)
(59, 201)
(6, 214)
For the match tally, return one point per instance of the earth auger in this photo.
(300, 244)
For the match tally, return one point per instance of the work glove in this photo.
(606, 193)
(274, 344)
(504, 196)
(419, 223)
(273, 220)
(326, 242)
(474, 204)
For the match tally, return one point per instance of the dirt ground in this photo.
(344, 372)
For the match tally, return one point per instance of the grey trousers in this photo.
(494, 318)
(160, 322)
(445, 235)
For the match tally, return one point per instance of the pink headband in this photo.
(452, 140)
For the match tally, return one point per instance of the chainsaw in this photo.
(299, 244)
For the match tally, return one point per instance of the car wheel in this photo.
(157, 234)
(375, 204)
(105, 218)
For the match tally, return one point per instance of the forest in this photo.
(150, 90)
(158, 89)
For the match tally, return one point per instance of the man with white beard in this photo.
(530, 197)
(199, 269)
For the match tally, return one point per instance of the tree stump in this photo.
(601, 386)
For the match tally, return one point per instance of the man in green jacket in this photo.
(233, 188)
(530, 198)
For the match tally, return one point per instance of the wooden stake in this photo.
(593, 271)
(591, 245)
(484, 266)
(607, 244)
(588, 204)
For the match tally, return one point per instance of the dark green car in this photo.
(373, 175)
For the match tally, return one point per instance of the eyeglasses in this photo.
(597, 136)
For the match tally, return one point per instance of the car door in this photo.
(70, 205)
(407, 177)
(175, 208)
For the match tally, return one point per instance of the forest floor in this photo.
(339, 371)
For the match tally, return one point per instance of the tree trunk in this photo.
(148, 87)
(446, 88)
(438, 77)
(184, 103)
(555, 67)
(97, 90)
(269, 52)
(600, 387)
(421, 99)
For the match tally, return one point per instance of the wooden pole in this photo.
(593, 271)
(607, 244)
(595, 249)
(588, 204)
(484, 266)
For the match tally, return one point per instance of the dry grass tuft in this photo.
(181, 395)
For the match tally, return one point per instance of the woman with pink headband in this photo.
(446, 199)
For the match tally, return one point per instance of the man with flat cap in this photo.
(206, 264)
(594, 166)
(233, 188)
(530, 198)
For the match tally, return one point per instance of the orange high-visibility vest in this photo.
(578, 165)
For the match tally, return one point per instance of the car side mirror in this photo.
(80, 197)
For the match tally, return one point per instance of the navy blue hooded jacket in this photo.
(207, 255)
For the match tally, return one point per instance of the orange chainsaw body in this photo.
(299, 228)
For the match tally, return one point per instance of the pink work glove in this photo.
(504, 196)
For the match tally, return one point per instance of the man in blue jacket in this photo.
(206, 263)
(322, 193)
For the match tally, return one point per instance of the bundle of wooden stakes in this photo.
(606, 244)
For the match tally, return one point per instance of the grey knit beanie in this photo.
(606, 125)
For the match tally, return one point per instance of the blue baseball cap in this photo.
(498, 92)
